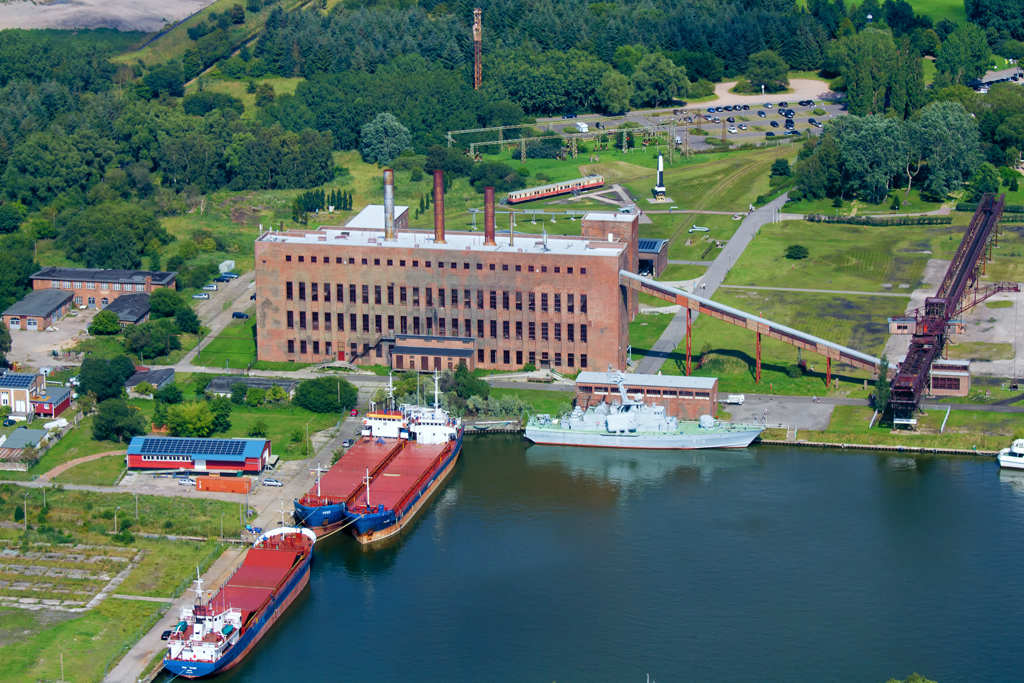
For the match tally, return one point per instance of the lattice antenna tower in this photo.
(478, 70)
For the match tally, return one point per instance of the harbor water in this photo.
(544, 563)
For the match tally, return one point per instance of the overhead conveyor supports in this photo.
(760, 326)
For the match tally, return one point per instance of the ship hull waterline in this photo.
(192, 670)
(552, 437)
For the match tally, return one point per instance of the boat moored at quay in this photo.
(214, 635)
(627, 423)
(376, 488)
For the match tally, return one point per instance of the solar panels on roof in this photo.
(17, 380)
(649, 245)
(164, 446)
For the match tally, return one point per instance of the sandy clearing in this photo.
(803, 89)
(125, 15)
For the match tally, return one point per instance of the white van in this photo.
(582, 127)
(735, 399)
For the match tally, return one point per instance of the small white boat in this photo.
(1012, 457)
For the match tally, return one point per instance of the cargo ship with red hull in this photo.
(381, 483)
(215, 635)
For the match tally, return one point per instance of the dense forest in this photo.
(93, 152)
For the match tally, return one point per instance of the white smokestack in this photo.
(389, 204)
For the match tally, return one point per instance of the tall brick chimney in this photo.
(489, 217)
(389, 204)
(439, 207)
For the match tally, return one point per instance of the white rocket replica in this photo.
(659, 189)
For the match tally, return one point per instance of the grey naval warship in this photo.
(634, 424)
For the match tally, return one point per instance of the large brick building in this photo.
(351, 293)
(96, 287)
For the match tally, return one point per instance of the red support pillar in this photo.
(757, 378)
(689, 333)
(828, 372)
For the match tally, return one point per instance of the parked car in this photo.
(727, 108)
(767, 105)
(221, 278)
(186, 482)
(783, 104)
(8, 422)
(210, 288)
(743, 126)
(201, 295)
(769, 134)
(811, 121)
(746, 107)
(354, 412)
(762, 114)
(774, 124)
(240, 316)
(731, 120)
(732, 129)
(719, 110)
(711, 110)
(165, 635)
(272, 482)
(568, 116)
(348, 443)
(230, 276)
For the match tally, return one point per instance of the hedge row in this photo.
(1009, 208)
(874, 220)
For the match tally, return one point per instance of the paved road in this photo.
(216, 312)
(676, 331)
(905, 295)
(689, 263)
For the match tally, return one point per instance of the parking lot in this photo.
(34, 348)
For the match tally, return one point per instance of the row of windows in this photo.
(444, 297)
(653, 393)
(175, 458)
(440, 264)
(547, 330)
(105, 286)
(946, 383)
(506, 359)
(328, 347)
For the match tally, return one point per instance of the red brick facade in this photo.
(623, 228)
(96, 288)
(347, 293)
(684, 397)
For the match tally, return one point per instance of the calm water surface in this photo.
(546, 564)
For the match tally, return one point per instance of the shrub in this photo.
(794, 371)
(881, 222)
(796, 252)
(326, 395)
(258, 429)
(124, 537)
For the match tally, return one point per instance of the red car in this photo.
(354, 412)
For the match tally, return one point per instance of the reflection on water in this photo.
(626, 467)
(795, 565)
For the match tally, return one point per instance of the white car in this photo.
(732, 129)
(186, 482)
(272, 482)
(201, 295)
(210, 288)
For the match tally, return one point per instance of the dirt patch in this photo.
(243, 215)
(616, 171)
(125, 15)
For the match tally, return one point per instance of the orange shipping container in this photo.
(223, 484)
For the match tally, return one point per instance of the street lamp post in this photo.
(222, 526)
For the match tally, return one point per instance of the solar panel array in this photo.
(648, 244)
(13, 380)
(192, 446)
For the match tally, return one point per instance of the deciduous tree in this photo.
(105, 322)
(193, 418)
(768, 69)
(383, 139)
(964, 54)
(118, 421)
(615, 92)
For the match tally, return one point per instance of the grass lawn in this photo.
(280, 366)
(283, 422)
(729, 183)
(235, 347)
(168, 563)
(678, 272)
(282, 86)
(647, 329)
(1007, 264)
(964, 429)
(103, 472)
(941, 9)
(78, 443)
(86, 641)
(842, 257)
(540, 401)
(857, 322)
(980, 351)
(928, 65)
